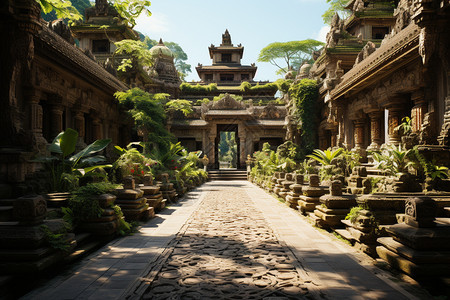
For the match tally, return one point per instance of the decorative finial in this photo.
(226, 39)
(161, 42)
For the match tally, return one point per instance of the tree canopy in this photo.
(180, 57)
(129, 10)
(336, 6)
(63, 9)
(288, 54)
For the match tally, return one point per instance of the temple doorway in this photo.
(227, 147)
(227, 150)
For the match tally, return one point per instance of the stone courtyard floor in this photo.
(227, 240)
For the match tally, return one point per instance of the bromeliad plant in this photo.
(65, 167)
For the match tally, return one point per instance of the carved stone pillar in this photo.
(212, 147)
(334, 137)
(36, 116)
(242, 150)
(79, 124)
(394, 119)
(359, 133)
(57, 120)
(97, 129)
(418, 111)
(375, 130)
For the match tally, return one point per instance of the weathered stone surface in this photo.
(227, 252)
(129, 194)
(437, 238)
(106, 200)
(410, 268)
(418, 257)
(343, 201)
(30, 210)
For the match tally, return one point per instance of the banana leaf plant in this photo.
(65, 167)
(325, 157)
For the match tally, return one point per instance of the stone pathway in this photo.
(226, 240)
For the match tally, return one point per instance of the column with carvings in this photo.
(36, 118)
(376, 138)
(418, 111)
(57, 119)
(212, 149)
(359, 133)
(394, 119)
(97, 129)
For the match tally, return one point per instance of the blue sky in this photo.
(196, 24)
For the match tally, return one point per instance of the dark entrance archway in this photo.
(227, 128)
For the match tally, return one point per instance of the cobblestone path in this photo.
(227, 251)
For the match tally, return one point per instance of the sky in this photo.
(196, 24)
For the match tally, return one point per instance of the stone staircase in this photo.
(227, 174)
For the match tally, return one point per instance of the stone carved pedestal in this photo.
(130, 199)
(296, 191)
(286, 184)
(106, 224)
(167, 189)
(24, 248)
(311, 194)
(358, 182)
(420, 247)
(334, 207)
(278, 186)
(153, 194)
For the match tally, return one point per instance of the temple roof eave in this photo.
(397, 51)
(56, 49)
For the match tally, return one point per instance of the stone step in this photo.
(447, 212)
(345, 234)
(86, 243)
(227, 175)
(6, 213)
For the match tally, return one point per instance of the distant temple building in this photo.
(97, 40)
(255, 120)
(226, 68)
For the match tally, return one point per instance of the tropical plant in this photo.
(353, 214)
(405, 127)
(184, 106)
(84, 204)
(64, 167)
(62, 8)
(138, 55)
(149, 116)
(336, 6)
(325, 157)
(393, 159)
(132, 162)
(130, 10)
(304, 95)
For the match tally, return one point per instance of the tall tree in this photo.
(180, 57)
(336, 6)
(288, 55)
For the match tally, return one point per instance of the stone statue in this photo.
(226, 39)
(368, 49)
(336, 30)
(358, 5)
